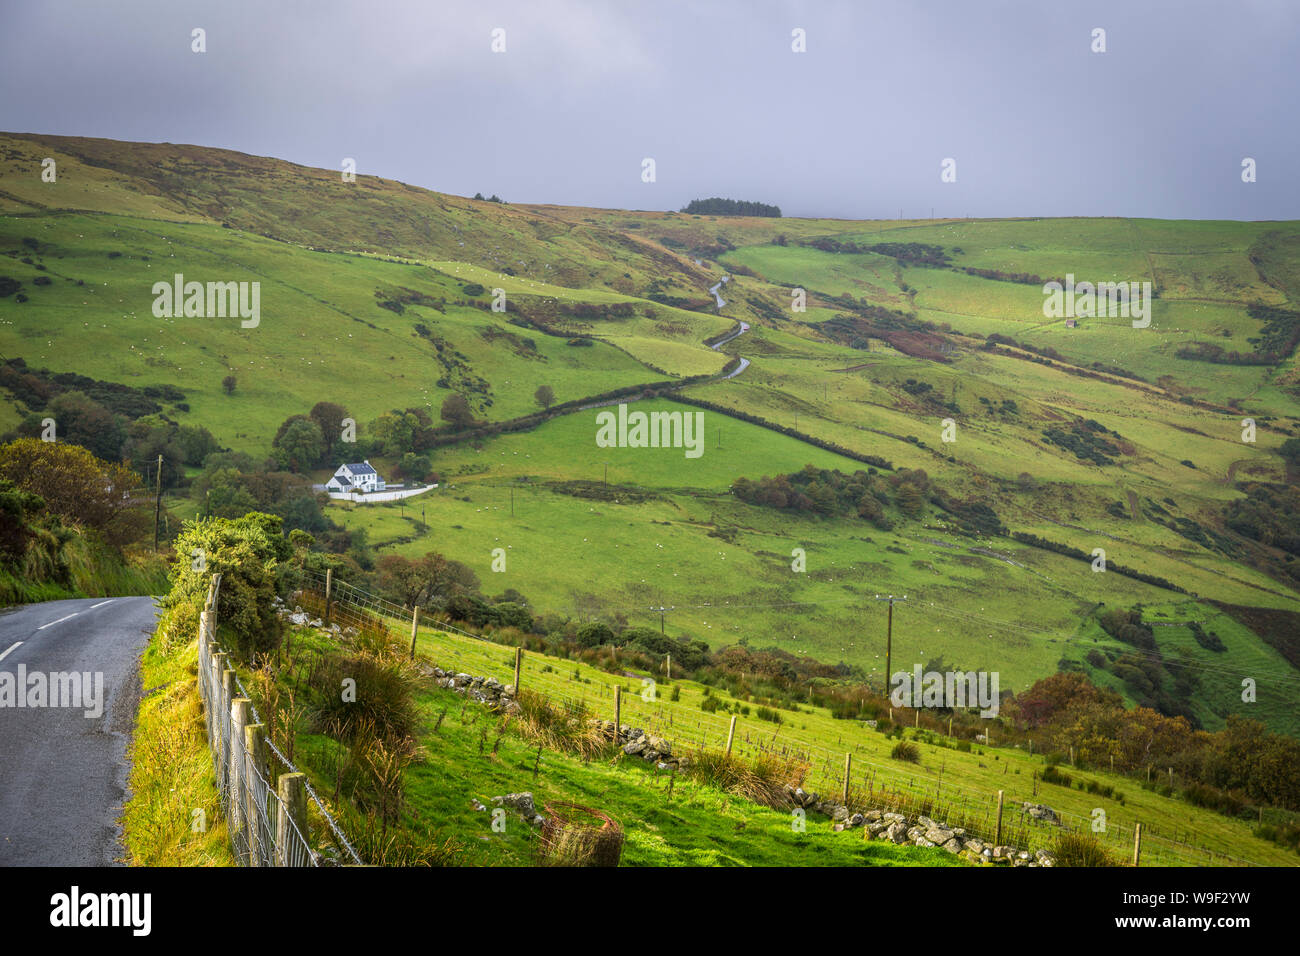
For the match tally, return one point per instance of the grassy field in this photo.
(327, 253)
(965, 783)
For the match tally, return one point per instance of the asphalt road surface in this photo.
(62, 773)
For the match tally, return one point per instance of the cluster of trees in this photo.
(1276, 340)
(493, 198)
(1067, 710)
(864, 494)
(1085, 440)
(79, 488)
(1024, 278)
(1269, 515)
(908, 253)
(58, 497)
(114, 422)
(717, 206)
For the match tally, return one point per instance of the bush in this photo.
(908, 752)
(384, 699)
(1081, 849)
(1051, 775)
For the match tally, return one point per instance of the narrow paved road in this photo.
(62, 772)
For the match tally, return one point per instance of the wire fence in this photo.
(267, 822)
(870, 784)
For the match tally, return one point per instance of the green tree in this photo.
(456, 411)
(299, 445)
(544, 396)
(329, 417)
(77, 486)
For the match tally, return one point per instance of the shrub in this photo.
(1051, 775)
(907, 752)
(1080, 849)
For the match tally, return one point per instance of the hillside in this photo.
(377, 295)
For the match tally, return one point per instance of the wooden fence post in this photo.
(1137, 843)
(240, 709)
(519, 672)
(292, 809)
(255, 762)
(415, 627)
(848, 769)
(731, 734)
(997, 839)
(329, 582)
(618, 709)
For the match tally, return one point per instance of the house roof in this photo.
(361, 468)
(342, 480)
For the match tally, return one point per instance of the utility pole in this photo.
(157, 505)
(605, 483)
(889, 635)
(662, 610)
(512, 501)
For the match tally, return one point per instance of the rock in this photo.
(952, 846)
(975, 846)
(938, 835)
(659, 745)
(857, 820)
(922, 841)
(893, 818)
(634, 746)
(840, 814)
(926, 822)
(896, 832)
(1041, 812)
(915, 831)
(522, 802)
(873, 815)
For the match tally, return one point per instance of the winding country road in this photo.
(63, 773)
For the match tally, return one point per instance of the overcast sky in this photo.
(856, 127)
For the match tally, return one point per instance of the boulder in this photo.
(952, 846)
(896, 832)
(1041, 812)
(522, 802)
(938, 835)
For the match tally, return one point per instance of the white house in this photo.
(356, 477)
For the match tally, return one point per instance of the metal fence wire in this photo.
(267, 822)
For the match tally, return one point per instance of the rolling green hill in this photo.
(377, 295)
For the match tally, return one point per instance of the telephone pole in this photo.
(889, 635)
(157, 505)
(662, 610)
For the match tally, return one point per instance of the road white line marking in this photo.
(59, 621)
(11, 647)
(101, 604)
